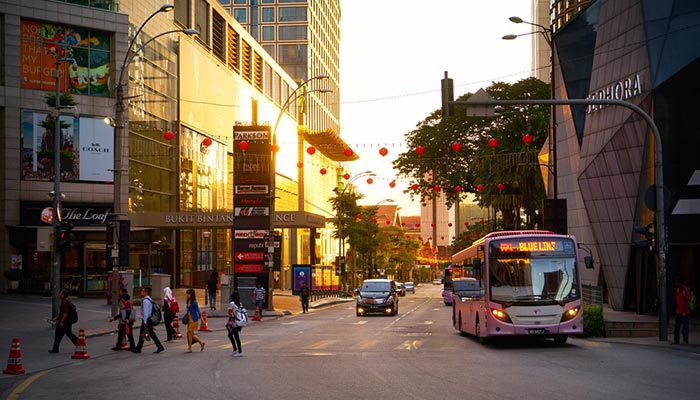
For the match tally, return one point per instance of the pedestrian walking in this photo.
(304, 294)
(234, 331)
(170, 309)
(212, 283)
(193, 315)
(259, 294)
(65, 324)
(147, 332)
(682, 311)
(126, 321)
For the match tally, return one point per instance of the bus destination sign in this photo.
(535, 245)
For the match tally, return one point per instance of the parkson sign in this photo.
(624, 89)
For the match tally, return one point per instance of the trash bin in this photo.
(158, 283)
(226, 289)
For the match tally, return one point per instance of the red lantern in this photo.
(479, 187)
(458, 189)
(207, 142)
(323, 171)
(392, 184)
(433, 225)
(466, 223)
(348, 152)
(500, 187)
(168, 135)
(370, 181)
(397, 235)
(442, 237)
(358, 216)
(388, 222)
(492, 143)
(527, 139)
(449, 224)
(437, 188)
(383, 151)
(374, 219)
(300, 165)
(346, 176)
(414, 186)
(242, 145)
(418, 225)
(456, 146)
(311, 150)
(403, 224)
(481, 222)
(420, 150)
(386, 233)
(275, 148)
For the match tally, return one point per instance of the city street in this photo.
(332, 354)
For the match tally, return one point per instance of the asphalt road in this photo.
(332, 354)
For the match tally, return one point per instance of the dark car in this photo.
(377, 296)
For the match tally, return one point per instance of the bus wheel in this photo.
(459, 327)
(477, 333)
(560, 339)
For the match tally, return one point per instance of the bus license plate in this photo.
(536, 331)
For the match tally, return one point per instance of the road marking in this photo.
(321, 344)
(20, 388)
(428, 323)
(410, 345)
(367, 344)
(289, 323)
(359, 323)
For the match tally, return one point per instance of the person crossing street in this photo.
(147, 330)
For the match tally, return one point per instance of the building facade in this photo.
(643, 52)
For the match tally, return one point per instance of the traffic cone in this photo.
(14, 362)
(81, 347)
(176, 326)
(256, 316)
(204, 325)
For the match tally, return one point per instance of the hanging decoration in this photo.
(414, 186)
(432, 225)
(420, 150)
(466, 223)
(449, 224)
(437, 188)
(479, 187)
(527, 139)
(358, 216)
(242, 145)
(374, 219)
(311, 150)
(500, 187)
(348, 152)
(323, 171)
(346, 176)
(458, 189)
(300, 165)
(392, 184)
(168, 135)
(370, 181)
(456, 146)
(383, 151)
(418, 225)
(275, 148)
(388, 222)
(493, 143)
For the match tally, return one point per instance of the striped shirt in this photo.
(259, 293)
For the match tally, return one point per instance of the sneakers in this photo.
(238, 354)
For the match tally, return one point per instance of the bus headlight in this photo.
(500, 315)
(570, 314)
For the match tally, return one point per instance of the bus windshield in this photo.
(533, 280)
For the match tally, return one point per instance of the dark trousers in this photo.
(259, 304)
(684, 322)
(235, 338)
(305, 303)
(151, 332)
(122, 332)
(65, 329)
(169, 330)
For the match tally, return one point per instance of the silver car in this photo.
(410, 287)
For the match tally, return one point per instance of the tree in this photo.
(472, 164)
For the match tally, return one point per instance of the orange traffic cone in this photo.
(81, 347)
(176, 326)
(204, 325)
(256, 316)
(14, 362)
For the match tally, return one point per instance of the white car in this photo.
(410, 287)
(436, 281)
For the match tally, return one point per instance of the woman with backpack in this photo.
(193, 315)
(233, 325)
(170, 309)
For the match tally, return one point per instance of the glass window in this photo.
(182, 12)
(292, 33)
(240, 1)
(268, 1)
(225, 2)
(241, 15)
(287, 14)
(268, 33)
(201, 20)
(291, 1)
(268, 14)
(270, 49)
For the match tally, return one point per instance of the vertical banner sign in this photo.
(252, 191)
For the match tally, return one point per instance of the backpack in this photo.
(174, 307)
(156, 314)
(242, 317)
(72, 313)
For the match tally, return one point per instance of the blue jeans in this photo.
(681, 320)
(212, 300)
(259, 304)
(305, 303)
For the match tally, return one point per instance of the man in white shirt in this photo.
(146, 327)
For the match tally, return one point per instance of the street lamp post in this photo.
(57, 196)
(120, 125)
(546, 33)
(273, 169)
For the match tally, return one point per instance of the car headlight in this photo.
(570, 314)
(500, 315)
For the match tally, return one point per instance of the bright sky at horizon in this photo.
(394, 54)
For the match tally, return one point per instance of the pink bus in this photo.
(520, 283)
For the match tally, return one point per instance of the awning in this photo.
(329, 144)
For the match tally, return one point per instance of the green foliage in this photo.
(593, 323)
(511, 163)
(67, 100)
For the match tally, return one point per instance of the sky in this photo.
(393, 54)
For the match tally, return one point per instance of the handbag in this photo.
(231, 323)
(186, 319)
